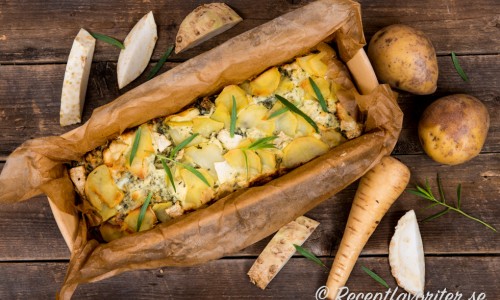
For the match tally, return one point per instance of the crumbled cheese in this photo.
(229, 142)
(225, 173)
(160, 142)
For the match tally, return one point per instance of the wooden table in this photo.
(461, 255)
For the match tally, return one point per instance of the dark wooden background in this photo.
(461, 255)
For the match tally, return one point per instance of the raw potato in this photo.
(76, 78)
(404, 57)
(203, 23)
(279, 250)
(139, 45)
(406, 255)
(452, 130)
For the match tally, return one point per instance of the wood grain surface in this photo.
(461, 255)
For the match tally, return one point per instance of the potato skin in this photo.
(405, 58)
(452, 130)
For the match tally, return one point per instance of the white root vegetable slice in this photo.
(76, 78)
(139, 45)
(406, 255)
(203, 23)
(280, 249)
(78, 176)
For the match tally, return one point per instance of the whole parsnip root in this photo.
(377, 190)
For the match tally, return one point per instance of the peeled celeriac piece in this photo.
(406, 255)
(139, 165)
(102, 192)
(266, 83)
(139, 45)
(280, 249)
(302, 150)
(203, 23)
(76, 78)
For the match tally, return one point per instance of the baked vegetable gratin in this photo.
(247, 134)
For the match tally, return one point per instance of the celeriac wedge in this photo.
(406, 255)
(76, 78)
(139, 45)
(280, 249)
(203, 23)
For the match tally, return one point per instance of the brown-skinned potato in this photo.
(405, 58)
(453, 129)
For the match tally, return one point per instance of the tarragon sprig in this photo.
(263, 143)
(185, 166)
(426, 193)
(310, 256)
(375, 276)
(142, 213)
(296, 110)
(319, 95)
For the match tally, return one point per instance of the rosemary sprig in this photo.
(187, 167)
(459, 69)
(169, 172)
(375, 276)
(161, 62)
(232, 126)
(296, 110)
(143, 211)
(319, 96)
(309, 256)
(181, 145)
(107, 39)
(135, 145)
(278, 112)
(426, 193)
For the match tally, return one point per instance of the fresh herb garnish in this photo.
(107, 39)
(161, 62)
(317, 91)
(232, 126)
(309, 256)
(278, 112)
(135, 145)
(426, 193)
(375, 276)
(297, 111)
(263, 143)
(181, 145)
(169, 172)
(459, 69)
(187, 167)
(143, 211)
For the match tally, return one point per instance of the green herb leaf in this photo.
(319, 96)
(169, 172)
(309, 256)
(161, 62)
(195, 172)
(427, 194)
(278, 112)
(135, 145)
(181, 145)
(459, 69)
(232, 126)
(375, 276)
(143, 211)
(297, 111)
(263, 143)
(107, 39)
(246, 161)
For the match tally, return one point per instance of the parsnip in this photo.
(377, 190)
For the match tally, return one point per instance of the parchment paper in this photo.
(244, 217)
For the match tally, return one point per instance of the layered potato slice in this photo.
(242, 136)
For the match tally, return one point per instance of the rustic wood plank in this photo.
(299, 279)
(480, 180)
(29, 108)
(42, 31)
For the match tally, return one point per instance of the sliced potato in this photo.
(179, 131)
(204, 155)
(251, 116)
(148, 222)
(323, 85)
(303, 127)
(198, 192)
(221, 114)
(160, 210)
(286, 122)
(139, 45)
(332, 137)
(139, 165)
(268, 160)
(266, 83)
(102, 192)
(186, 115)
(226, 98)
(313, 64)
(302, 150)
(285, 86)
(249, 167)
(76, 78)
(203, 23)
(206, 126)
